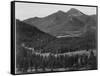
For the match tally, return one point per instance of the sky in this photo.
(28, 10)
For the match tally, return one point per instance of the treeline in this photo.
(29, 60)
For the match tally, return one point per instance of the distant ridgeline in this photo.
(64, 24)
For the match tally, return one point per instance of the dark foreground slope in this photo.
(31, 36)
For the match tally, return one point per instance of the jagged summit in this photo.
(70, 11)
(60, 14)
(74, 11)
(60, 11)
(56, 14)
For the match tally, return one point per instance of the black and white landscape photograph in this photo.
(55, 38)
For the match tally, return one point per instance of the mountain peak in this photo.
(60, 11)
(74, 11)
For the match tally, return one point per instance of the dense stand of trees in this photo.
(28, 60)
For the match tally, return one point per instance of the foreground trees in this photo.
(71, 62)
